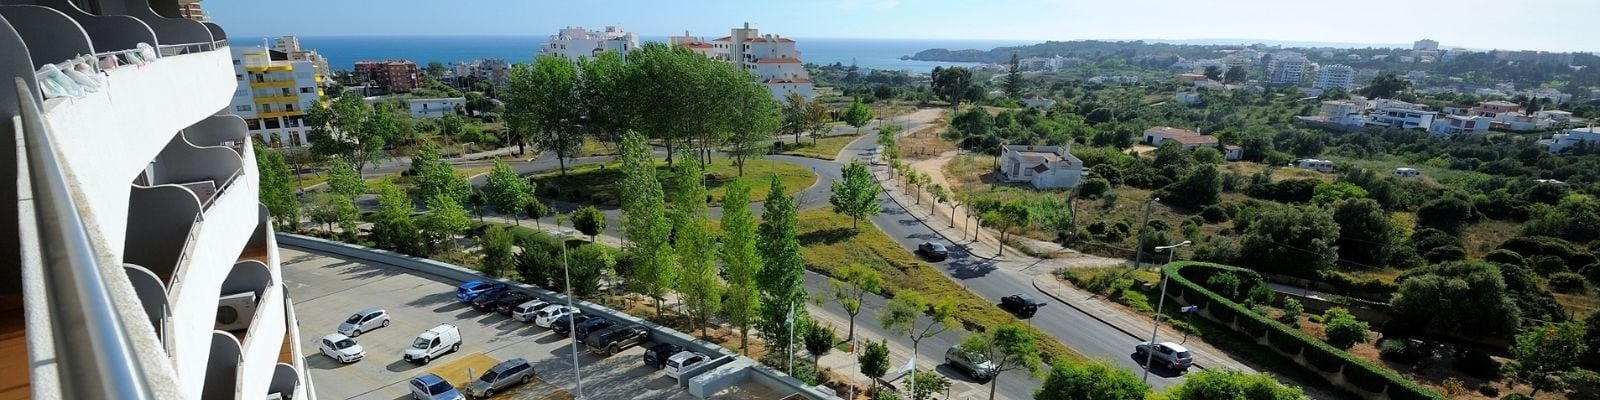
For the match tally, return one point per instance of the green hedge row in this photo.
(1358, 372)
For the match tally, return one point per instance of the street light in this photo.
(1150, 353)
(572, 323)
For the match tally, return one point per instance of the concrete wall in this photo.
(723, 358)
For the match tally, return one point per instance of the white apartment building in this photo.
(493, 70)
(1344, 112)
(1402, 118)
(573, 43)
(1425, 44)
(273, 95)
(142, 265)
(774, 60)
(1287, 68)
(290, 45)
(1336, 76)
(1562, 141)
(1451, 124)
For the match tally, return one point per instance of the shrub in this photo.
(1403, 350)
(1225, 284)
(1504, 256)
(1135, 300)
(1567, 282)
(1342, 329)
(1547, 265)
(1477, 363)
(1291, 312)
(1591, 272)
(1213, 214)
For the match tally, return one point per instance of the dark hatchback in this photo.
(592, 325)
(563, 326)
(933, 251)
(656, 356)
(486, 301)
(505, 303)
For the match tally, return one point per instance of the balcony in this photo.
(251, 299)
(285, 381)
(276, 83)
(219, 131)
(152, 292)
(221, 369)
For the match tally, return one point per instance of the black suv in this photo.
(1021, 305)
(933, 251)
(485, 301)
(591, 326)
(616, 338)
(656, 356)
(563, 326)
(510, 301)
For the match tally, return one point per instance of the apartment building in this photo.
(274, 95)
(290, 46)
(493, 70)
(1425, 44)
(1336, 76)
(773, 59)
(573, 43)
(1402, 117)
(142, 265)
(1287, 68)
(393, 75)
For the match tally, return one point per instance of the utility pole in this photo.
(572, 323)
(1150, 351)
(1138, 252)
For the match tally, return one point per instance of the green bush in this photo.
(1321, 354)
(1567, 282)
(1402, 350)
(1213, 214)
(1342, 329)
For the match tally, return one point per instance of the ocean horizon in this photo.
(883, 54)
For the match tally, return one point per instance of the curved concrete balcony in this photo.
(152, 296)
(207, 171)
(51, 36)
(107, 33)
(263, 336)
(295, 355)
(285, 381)
(161, 220)
(176, 35)
(219, 131)
(221, 370)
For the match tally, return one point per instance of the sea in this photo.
(882, 54)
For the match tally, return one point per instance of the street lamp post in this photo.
(1150, 352)
(572, 323)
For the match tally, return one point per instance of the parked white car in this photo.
(683, 361)
(341, 348)
(433, 343)
(549, 315)
(526, 312)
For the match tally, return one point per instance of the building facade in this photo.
(1564, 141)
(773, 59)
(142, 262)
(290, 45)
(1189, 140)
(393, 75)
(493, 70)
(274, 95)
(1402, 118)
(1045, 167)
(1287, 68)
(434, 108)
(1336, 76)
(1425, 44)
(573, 43)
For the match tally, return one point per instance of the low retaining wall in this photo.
(722, 358)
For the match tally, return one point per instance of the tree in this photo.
(1342, 329)
(697, 252)
(1457, 296)
(1008, 347)
(434, 177)
(818, 340)
(951, 84)
(476, 199)
(854, 283)
(276, 193)
(1281, 238)
(352, 129)
(434, 69)
(753, 120)
(1329, 193)
(795, 108)
(1093, 380)
(1591, 332)
(344, 180)
(536, 265)
(1213, 72)
(1011, 214)
(1013, 84)
(331, 209)
(1213, 384)
(444, 221)
(1199, 188)
(496, 250)
(1543, 357)
(904, 317)
(542, 100)
(858, 115)
(645, 223)
(680, 97)
(1385, 86)
(606, 103)
(1365, 235)
(587, 264)
(1235, 74)
(783, 294)
(815, 119)
(589, 220)
(507, 191)
(855, 194)
(392, 226)
(927, 385)
(741, 260)
(874, 360)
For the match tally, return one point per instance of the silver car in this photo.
(515, 371)
(1166, 354)
(974, 364)
(364, 321)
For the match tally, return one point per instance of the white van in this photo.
(682, 361)
(1404, 172)
(1315, 165)
(433, 343)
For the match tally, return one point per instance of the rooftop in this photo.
(778, 60)
(1170, 131)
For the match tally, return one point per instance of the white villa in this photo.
(1046, 167)
(573, 43)
(1190, 140)
(773, 59)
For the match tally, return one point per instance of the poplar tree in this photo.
(697, 255)
(507, 191)
(276, 193)
(782, 291)
(741, 260)
(344, 180)
(856, 195)
(645, 223)
(542, 99)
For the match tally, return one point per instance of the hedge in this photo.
(1358, 372)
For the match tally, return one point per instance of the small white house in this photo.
(432, 108)
(1046, 167)
(1036, 101)
(1315, 165)
(1404, 172)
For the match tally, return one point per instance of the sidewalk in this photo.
(1137, 326)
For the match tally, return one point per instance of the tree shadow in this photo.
(825, 236)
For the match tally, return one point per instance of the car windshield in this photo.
(354, 319)
(420, 343)
(1183, 355)
(937, 246)
(489, 376)
(439, 387)
(344, 344)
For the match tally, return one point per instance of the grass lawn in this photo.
(310, 179)
(825, 148)
(593, 147)
(828, 245)
(597, 183)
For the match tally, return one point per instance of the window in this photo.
(252, 124)
(271, 123)
(305, 90)
(242, 108)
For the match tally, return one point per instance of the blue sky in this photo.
(1517, 24)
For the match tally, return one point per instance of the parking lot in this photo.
(327, 289)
